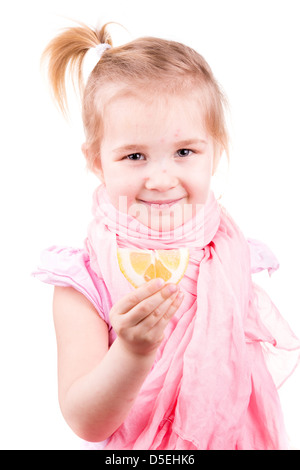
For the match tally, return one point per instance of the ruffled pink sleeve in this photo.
(261, 257)
(69, 267)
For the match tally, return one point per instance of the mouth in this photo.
(161, 204)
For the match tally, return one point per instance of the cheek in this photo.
(122, 193)
(199, 187)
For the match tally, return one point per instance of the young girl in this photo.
(165, 365)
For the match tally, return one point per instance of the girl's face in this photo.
(157, 159)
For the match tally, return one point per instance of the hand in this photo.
(139, 318)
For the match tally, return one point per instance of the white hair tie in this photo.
(101, 48)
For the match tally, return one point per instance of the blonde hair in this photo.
(149, 63)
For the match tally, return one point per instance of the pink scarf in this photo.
(200, 393)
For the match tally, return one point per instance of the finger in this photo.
(141, 293)
(153, 303)
(170, 312)
(152, 319)
(159, 324)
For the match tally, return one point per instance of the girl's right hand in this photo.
(139, 318)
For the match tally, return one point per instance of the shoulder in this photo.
(260, 254)
(262, 257)
(68, 267)
(72, 309)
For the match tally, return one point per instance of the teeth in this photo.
(160, 206)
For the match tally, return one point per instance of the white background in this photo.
(253, 49)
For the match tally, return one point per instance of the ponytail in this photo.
(66, 52)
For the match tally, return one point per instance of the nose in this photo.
(160, 178)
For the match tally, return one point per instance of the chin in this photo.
(162, 223)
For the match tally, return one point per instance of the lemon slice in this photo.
(140, 266)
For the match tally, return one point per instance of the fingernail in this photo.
(172, 288)
(159, 282)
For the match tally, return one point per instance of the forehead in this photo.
(138, 114)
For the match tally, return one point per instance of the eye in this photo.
(184, 152)
(135, 157)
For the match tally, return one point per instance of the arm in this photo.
(97, 384)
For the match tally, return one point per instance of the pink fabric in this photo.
(262, 257)
(210, 387)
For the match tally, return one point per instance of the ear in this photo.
(93, 163)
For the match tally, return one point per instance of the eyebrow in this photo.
(130, 148)
(186, 143)
(177, 144)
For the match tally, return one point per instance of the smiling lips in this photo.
(161, 204)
